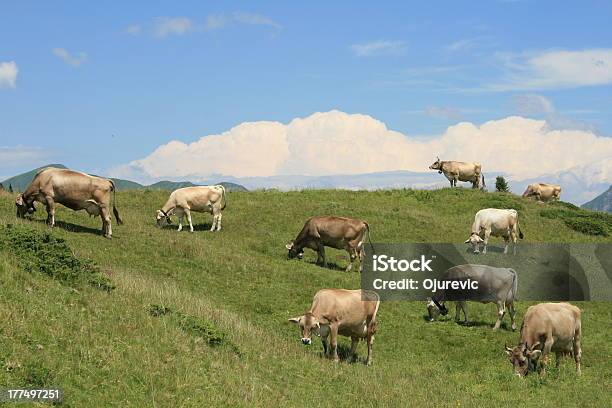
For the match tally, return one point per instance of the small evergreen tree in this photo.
(10, 188)
(501, 185)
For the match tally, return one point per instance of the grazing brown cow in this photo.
(183, 201)
(75, 190)
(350, 313)
(547, 327)
(460, 171)
(543, 192)
(336, 232)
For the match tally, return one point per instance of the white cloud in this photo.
(215, 22)
(72, 59)
(554, 70)
(166, 26)
(376, 48)
(134, 29)
(533, 104)
(8, 74)
(13, 156)
(334, 142)
(443, 112)
(256, 19)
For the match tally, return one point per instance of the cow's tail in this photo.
(223, 197)
(514, 285)
(115, 211)
(483, 180)
(369, 237)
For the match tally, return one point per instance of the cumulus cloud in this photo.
(75, 59)
(554, 69)
(8, 74)
(335, 142)
(377, 48)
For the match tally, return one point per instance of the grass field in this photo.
(201, 319)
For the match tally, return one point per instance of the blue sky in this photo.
(102, 84)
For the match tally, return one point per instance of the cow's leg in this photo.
(512, 312)
(321, 258)
(457, 311)
(188, 214)
(180, 227)
(546, 353)
(501, 311)
(353, 352)
(370, 340)
(215, 222)
(464, 307)
(325, 345)
(50, 204)
(485, 242)
(558, 357)
(333, 334)
(506, 243)
(106, 222)
(352, 256)
(219, 216)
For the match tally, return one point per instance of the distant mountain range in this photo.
(602, 202)
(21, 182)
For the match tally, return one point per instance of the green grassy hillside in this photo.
(201, 319)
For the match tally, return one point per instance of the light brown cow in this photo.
(336, 232)
(210, 199)
(350, 313)
(460, 171)
(543, 192)
(498, 223)
(75, 190)
(547, 327)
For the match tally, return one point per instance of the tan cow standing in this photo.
(336, 232)
(547, 327)
(182, 202)
(543, 192)
(460, 171)
(75, 190)
(498, 223)
(350, 313)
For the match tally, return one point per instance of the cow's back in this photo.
(196, 198)
(493, 283)
(561, 320)
(70, 185)
(344, 305)
(334, 230)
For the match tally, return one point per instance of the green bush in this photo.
(586, 222)
(51, 256)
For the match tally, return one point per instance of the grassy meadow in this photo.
(169, 319)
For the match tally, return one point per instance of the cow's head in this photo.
(309, 325)
(435, 308)
(163, 218)
(475, 241)
(437, 165)
(294, 251)
(24, 206)
(524, 359)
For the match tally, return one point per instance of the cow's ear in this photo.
(467, 241)
(295, 320)
(289, 245)
(19, 200)
(508, 350)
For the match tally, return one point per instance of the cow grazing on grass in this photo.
(336, 232)
(495, 285)
(350, 313)
(183, 201)
(547, 327)
(75, 190)
(460, 171)
(495, 222)
(543, 192)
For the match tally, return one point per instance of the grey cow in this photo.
(495, 285)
